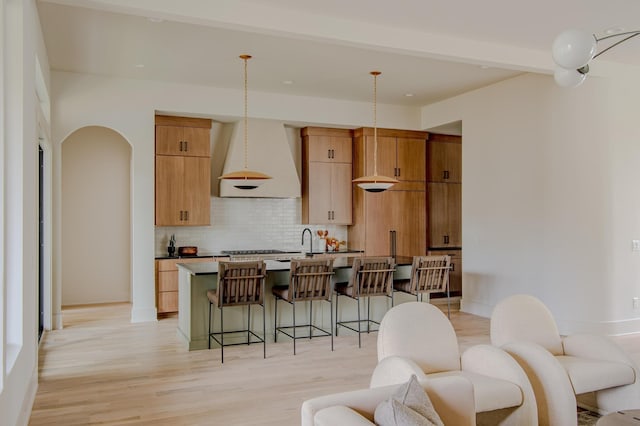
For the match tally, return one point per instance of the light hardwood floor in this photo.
(101, 369)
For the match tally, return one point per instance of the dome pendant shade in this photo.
(573, 49)
(245, 179)
(375, 183)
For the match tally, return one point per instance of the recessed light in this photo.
(408, 95)
(139, 65)
(484, 67)
(155, 20)
(288, 82)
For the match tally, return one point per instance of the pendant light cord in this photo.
(246, 125)
(375, 121)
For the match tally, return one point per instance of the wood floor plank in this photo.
(103, 370)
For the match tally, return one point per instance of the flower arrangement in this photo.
(330, 243)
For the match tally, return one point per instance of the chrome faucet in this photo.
(310, 240)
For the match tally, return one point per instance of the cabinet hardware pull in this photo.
(181, 214)
(445, 239)
(333, 215)
(328, 214)
(452, 267)
(186, 145)
(398, 171)
(186, 215)
(445, 174)
(333, 153)
(180, 146)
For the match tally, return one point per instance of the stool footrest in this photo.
(323, 333)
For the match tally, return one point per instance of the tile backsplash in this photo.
(247, 223)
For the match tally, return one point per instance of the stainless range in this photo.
(268, 254)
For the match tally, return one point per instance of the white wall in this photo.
(22, 43)
(550, 201)
(96, 226)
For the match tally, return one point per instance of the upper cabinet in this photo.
(326, 176)
(400, 153)
(183, 171)
(445, 159)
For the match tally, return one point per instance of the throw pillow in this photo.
(409, 405)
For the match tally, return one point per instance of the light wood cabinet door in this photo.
(445, 162)
(445, 215)
(379, 222)
(330, 193)
(197, 190)
(412, 159)
(319, 175)
(169, 187)
(182, 141)
(183, 190)
(410, 222)
(387, 161)
(399, 215)
(331, 149)
(341, 211)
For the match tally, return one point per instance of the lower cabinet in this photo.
(455, 274)
(167, 282)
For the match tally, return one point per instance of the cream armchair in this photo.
(590, 367)
(417, 338)
(452, 398)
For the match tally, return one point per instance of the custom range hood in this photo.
(269, 152)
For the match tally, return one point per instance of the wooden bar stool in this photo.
(239, 284)
(309, 280)
(371, 277)
(429, 274)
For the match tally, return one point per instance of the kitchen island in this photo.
(195, 279)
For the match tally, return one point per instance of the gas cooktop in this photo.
(244, 252)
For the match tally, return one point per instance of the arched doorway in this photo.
(96, 217)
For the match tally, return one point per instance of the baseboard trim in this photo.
(29, 398)
(144, 314)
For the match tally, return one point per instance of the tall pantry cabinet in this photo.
(393, 221)
(445, 202)
(183, 171)
(326, 176)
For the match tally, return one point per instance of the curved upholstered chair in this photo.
(590, 367)
(417, 338)
(452, 399)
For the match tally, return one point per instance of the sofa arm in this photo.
(394, 370)
(452, 398)
(494, 362)
(595, 347)
(553, 391)
(340, 415)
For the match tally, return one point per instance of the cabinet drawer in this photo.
(167, 302)
(167, 281)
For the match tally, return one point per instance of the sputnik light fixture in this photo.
(573, 49)
(245, 179)
(375, 183)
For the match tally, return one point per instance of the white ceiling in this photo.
(431, 49)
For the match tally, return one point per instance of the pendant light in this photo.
(245, 179)
(375, 183)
